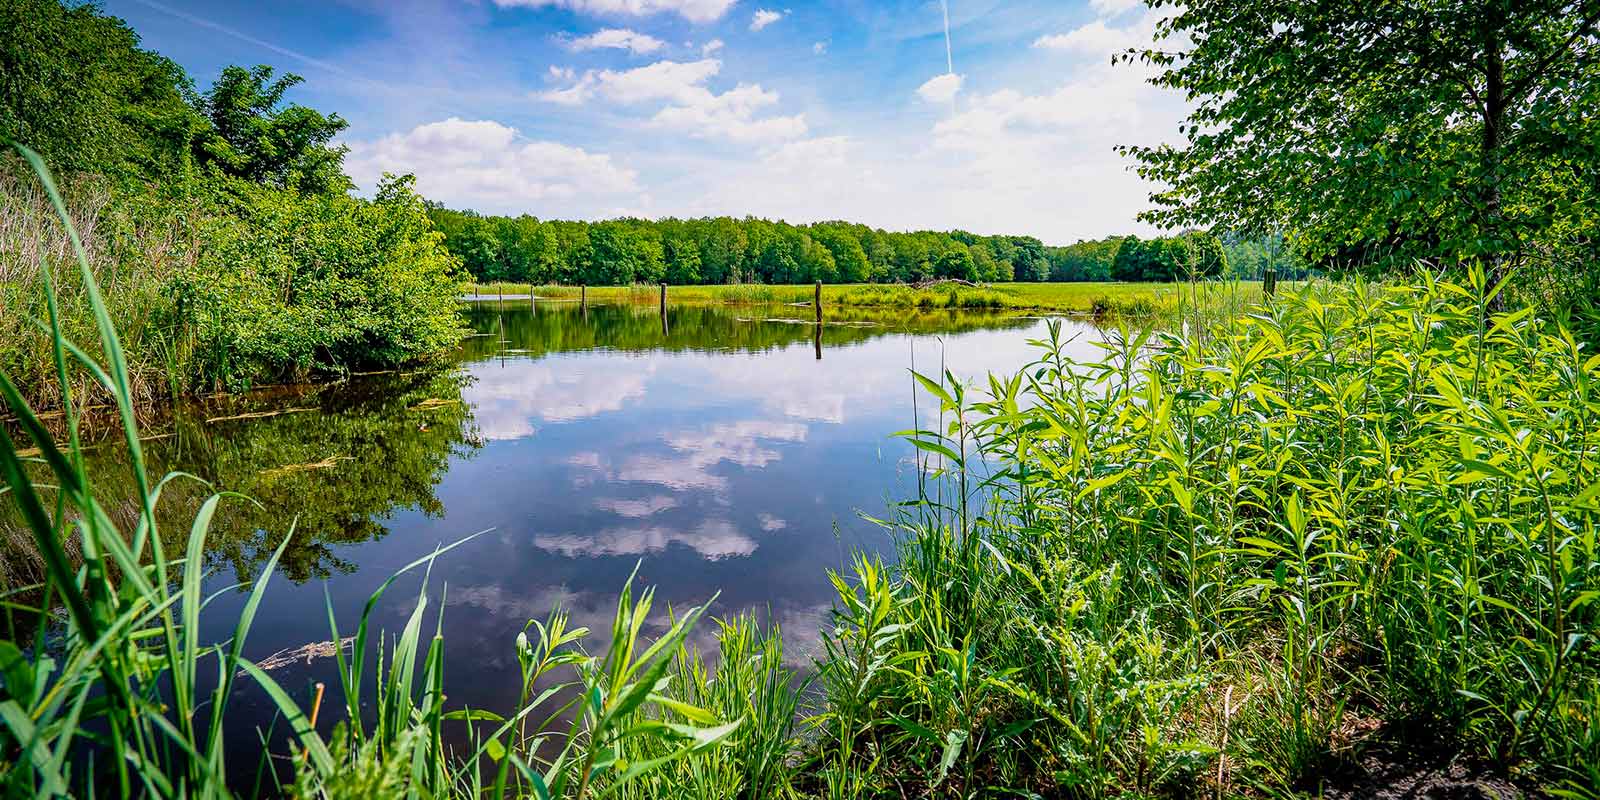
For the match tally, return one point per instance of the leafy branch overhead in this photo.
(1376, 133)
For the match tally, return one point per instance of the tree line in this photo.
(717, 250)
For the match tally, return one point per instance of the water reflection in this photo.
(337, 461)
(716, 452)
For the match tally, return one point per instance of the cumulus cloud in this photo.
(941, 88)
(511, 402)
(1098, 38)
(692, 10)
(637, 508)
(691, 107)
(764, 17)
(1111, 8)
(711, 47)
(714, 539)
(617, 39)
(484, 164)
(819, 48)
(811, 153)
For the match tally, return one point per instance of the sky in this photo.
(992, 116)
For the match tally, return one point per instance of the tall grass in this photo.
(122, 695)
(1223, 557)
(1217, 561)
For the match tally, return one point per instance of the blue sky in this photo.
(801, 110)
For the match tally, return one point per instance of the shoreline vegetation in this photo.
(1342, 541)
(1235, 558)
(1102, 299)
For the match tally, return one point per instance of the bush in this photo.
(290, 286)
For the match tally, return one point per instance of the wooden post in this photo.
(530, 295)
(816, 341)
(583, 296)
(663, 298)
(502, 288)
(817, 301)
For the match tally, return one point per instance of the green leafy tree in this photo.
(255, 137)
(683, 262)
(1380, 133)
(76, 87)
(956, 263)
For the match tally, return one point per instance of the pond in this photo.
(724, 448)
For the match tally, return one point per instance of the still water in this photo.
(728, 450)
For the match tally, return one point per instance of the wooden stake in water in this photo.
(817, 302)
(583, 297)
(530, 295)
(663, 298)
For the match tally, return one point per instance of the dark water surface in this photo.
(721, 454)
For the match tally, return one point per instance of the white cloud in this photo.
(711, 47)
(637, 509)
(941, 88)
(561, 74)
(484, 164)
(676, 81)
(819, 48)
(1099, 39)
(770, 523)
(692, 10)
(618, 39)
(714, 539)
(803, 154)
(692, 108)
(732, 115)
(1111, 8)
(512, 401)
(764, 17)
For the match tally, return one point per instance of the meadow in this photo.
(1252, 555)
(1097, 298)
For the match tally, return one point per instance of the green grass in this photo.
(1217, 561)
(1122, 299)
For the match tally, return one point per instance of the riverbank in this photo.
(1096, 298)
(1250, 558)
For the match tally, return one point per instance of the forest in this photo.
(524, 249)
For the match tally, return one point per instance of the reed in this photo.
(1199, 563)
(1217, 561)
(122, 695)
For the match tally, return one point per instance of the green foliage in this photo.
(1084, 261)
(723, 250)
(291, 285)
(253, 138)
(1206, 555)
(75, 85)
(127, 658)
(218, 222)
(1377, 135)
(1191, 255)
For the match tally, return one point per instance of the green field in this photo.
(1085, 298)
